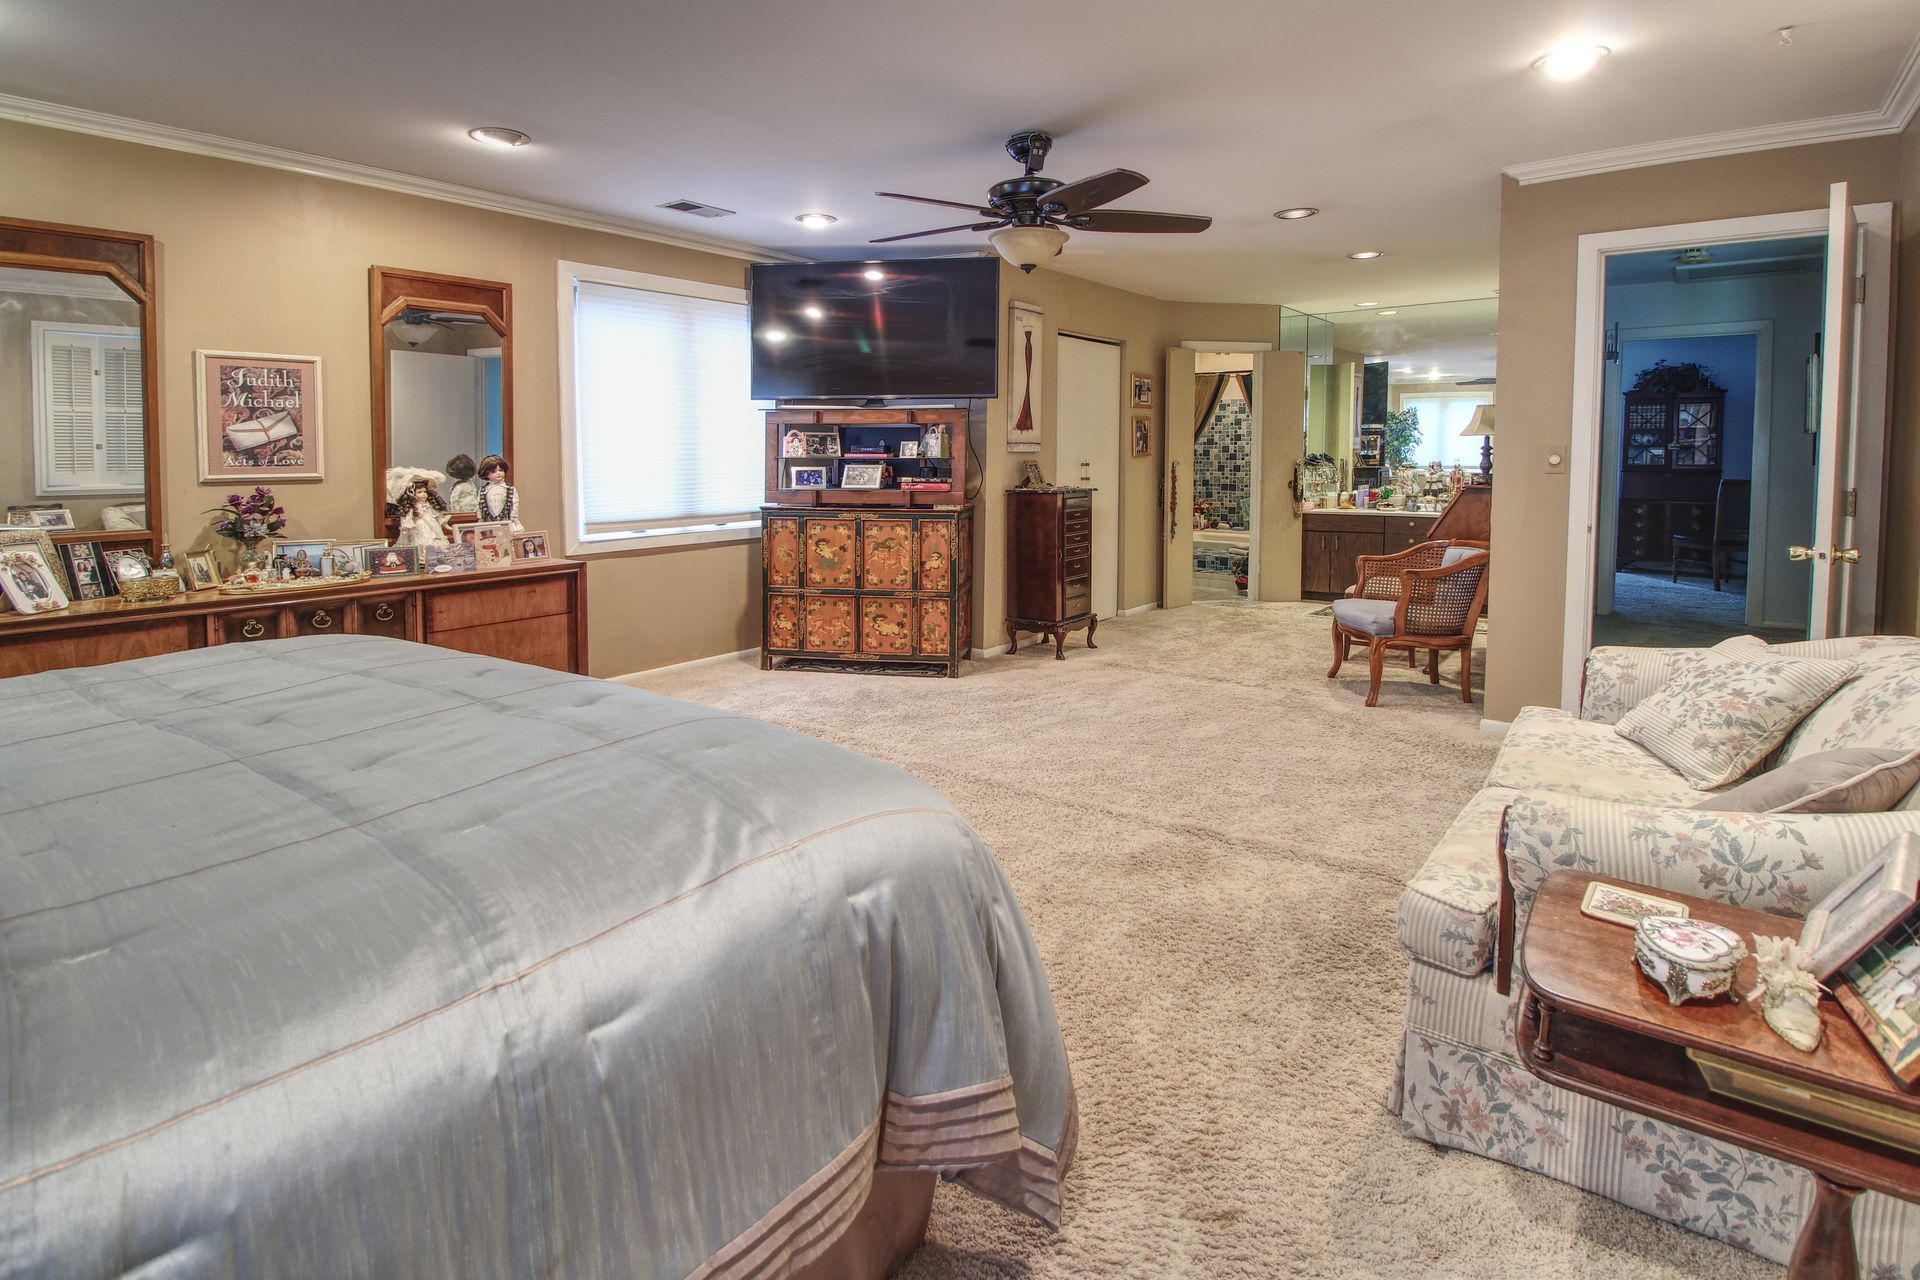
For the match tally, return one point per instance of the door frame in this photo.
(1872, 353)
(1122, 427)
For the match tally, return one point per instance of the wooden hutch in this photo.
(879, 570)
(1670, 461)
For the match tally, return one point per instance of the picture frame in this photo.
(1863, 909)
(87, 577)
(1880, 991)
(53, 518)
(823, 444)
(340, 562)
(305, 556)
(126, 564)
(393, 562)
(806, 477)
(909, 448)
(531, 544)
(489, 542)
(1142, 391)
(1142, 437)
(259, 417)
(1025, 389)
(862, 475)
(1617, 904)
(1031, 476)
(198, 572)
(15, 536)
(459, 557)
(31, 583)
(360, 551)
(793, 444)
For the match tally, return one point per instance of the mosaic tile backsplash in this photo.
(1223, 461)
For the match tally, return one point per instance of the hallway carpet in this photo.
(1209, 838)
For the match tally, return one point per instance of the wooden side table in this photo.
(1591, 1022)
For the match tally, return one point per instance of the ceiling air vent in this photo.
(697, 209)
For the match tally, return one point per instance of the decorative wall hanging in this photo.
(1024, 369)
(259, 416)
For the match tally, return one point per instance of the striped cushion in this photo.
(1448, 910)
(1718, 718)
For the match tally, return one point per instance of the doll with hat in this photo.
(413, 498)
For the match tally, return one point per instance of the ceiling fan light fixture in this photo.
(1570, 61)
(1366, 255)
(1027, 247)
(412, 332)
(816, 221)
(1295, 214)
(494, 135)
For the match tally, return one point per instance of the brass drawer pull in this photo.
(383, 614)
(321, 620)
(253, 629)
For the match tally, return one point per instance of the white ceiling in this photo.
(1439, 342)
(1394, 118)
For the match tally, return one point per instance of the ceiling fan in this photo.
(1029, 215)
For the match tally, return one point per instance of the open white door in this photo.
(1176, 481)
(1832, 553)
(1088, 423)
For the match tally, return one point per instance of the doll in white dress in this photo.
(498, 499)
(464, 496)
(413, 498)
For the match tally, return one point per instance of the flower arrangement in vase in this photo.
(248, 520)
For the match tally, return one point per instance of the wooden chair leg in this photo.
(1339, 651)
(1466, 672)
(1376, 655)
(1412, 654)
(1433, 666)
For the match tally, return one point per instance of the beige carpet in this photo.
(1209, 839)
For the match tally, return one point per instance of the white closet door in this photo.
(1090, 421)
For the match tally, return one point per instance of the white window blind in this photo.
(90, 435)
(666, 436)
(1442, 418)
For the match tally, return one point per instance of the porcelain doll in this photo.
(498, 500)
(464, 496)
(413, 498)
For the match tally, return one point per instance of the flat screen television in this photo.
(861, 330)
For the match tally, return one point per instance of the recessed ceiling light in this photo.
(874, 273)
(815, 221)
(1366, 304)
(496, 136)
(813, 313)
(774, 335)
(1364, 255)
(1294, 215)
(1394, 312)
(1570, 61)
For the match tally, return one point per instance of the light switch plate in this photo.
(1556, 462)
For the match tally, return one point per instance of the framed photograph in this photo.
(1030, 476)
(53, 518)
(806, 477)
(861, 475)
(1880, 990)
(1142, 437)
(909, 448)
(30, 581)
(197, 571)
(393, 562)
(489, 542)
(531, 545)
(359, 551)
(340, 562)
(86, 573)
(305, 556)
(1619, 905)
(259, 416)
(823, 444)
(1848, 920)
(793, 444)
(458, 558)
(1142, 391)
(125, 564)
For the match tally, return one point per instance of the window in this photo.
(1443, 416)
(89, 420)
(663, 443)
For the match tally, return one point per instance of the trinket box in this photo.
(1690, 959)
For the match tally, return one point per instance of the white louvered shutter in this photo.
(72, 409)
(90, 435)
(122, 456)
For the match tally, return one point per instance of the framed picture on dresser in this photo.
(30, 581)
(86, 573)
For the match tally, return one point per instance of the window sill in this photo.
(664, 540)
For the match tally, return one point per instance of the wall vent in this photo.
(697, 209)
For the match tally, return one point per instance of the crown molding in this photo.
(123, 129)
(1895, 113)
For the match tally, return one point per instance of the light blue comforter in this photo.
(345, 956)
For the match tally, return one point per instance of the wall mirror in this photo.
(442, 375)
(79, 419)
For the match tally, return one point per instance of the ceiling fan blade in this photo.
(950, 204)
(1138, 220)
(1091, 193)
(938, 231)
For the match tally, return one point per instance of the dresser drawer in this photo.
(320, 619)
(235, 628)
(451, 609)
(391, 616)
(1078, 597)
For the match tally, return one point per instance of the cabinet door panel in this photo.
(829, 553)
(936, 628)
(783, 622)
(829, 624)
(936, 554)
(886, 625)
(886, 555)
(782, 551)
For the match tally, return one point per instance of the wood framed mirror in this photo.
(442, 350)
(79, 400)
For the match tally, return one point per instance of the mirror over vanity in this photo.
(442, 349)
(79, 448)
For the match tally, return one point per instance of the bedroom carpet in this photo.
(1209, 838)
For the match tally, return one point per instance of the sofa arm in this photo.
(1617, 677)
(1783, 863)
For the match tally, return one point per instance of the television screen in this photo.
(926, 327)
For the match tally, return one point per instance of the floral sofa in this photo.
(1573, 794)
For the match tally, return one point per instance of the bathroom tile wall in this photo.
(1223, 460)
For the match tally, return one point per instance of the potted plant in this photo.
(247, 520)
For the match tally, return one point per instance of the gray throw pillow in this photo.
(1855, 780)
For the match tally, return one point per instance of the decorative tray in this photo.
(298, 584)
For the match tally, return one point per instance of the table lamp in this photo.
(1482, 425)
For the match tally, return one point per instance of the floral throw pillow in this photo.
(1718, 718)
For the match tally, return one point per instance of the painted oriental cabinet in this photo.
(860, 584)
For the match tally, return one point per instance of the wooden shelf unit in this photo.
(884, 428)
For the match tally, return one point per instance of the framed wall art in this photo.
(1025, 360)
(1142, 437)
(259, 417)
(1142, 391)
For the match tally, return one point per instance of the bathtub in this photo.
(1215, 550)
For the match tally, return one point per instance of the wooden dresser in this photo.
(533, 612)
(1050, 565)
(863, 584)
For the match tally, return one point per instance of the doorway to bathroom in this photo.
(1222, 476)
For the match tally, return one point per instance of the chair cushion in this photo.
(1454, 555)
(1856, 780)
(1547, 750)
(1451, 905)
(1374, 617)
(1719, 717)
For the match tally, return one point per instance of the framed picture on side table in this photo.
(1854, 916)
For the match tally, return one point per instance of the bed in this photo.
(349, 956)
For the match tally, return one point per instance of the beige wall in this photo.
(1900, 581)
(1539, 228)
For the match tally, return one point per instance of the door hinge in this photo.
(1860, 288)
(1851, 507)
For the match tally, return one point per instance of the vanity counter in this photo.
(1333, 539)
